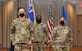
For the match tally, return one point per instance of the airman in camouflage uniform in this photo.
(20, 32)
(62, 37)
(40, 35)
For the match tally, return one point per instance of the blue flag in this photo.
(64, 14)
(31, 12)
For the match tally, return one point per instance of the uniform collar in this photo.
(22, 20)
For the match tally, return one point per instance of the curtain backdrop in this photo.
(8, 12)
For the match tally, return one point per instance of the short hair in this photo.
(37, 16)
(20, 8)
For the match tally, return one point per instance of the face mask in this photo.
(22, 15)
(38, 21)
(62, 22)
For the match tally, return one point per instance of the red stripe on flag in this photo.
(50, 27)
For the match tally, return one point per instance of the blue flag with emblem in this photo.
(31, 12)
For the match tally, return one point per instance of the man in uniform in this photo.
(40, 35)
(20, 31)
(62, 36)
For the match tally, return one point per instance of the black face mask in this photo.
(38, 21)
(62, 22)
(22, 15)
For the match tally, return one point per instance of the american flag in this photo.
(50, 24)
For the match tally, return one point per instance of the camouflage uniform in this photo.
(20, 33)
(62, 38)
(40, 37)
